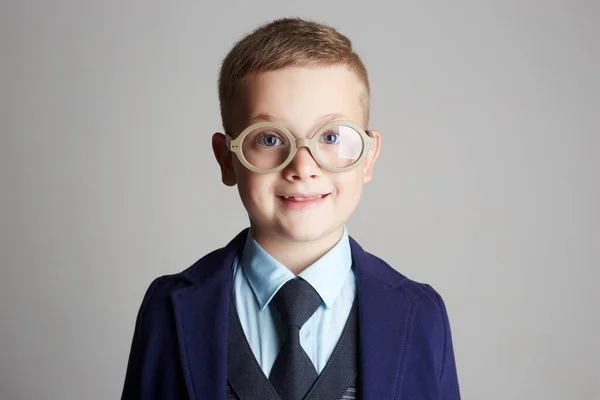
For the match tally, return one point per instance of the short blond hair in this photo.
(287, 42)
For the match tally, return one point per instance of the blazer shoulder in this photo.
(156, 303)
(422, 293)
(431, 318)
(162, 286)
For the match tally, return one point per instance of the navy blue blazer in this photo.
(179, 348)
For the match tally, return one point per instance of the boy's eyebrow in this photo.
(263, 117)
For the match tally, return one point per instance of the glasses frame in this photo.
(235, 145)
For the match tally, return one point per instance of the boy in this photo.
(293, 308)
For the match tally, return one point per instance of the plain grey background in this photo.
(486, 187)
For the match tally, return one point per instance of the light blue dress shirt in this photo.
(257, 278)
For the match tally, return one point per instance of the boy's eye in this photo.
(269, 140)
(330, 137)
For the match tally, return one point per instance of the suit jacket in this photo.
(179, 347)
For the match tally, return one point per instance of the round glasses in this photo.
(266, 147)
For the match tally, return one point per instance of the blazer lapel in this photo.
(201, 315)
(385, 324)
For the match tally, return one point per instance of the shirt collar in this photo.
(266, 275)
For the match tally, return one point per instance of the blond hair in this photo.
(287, 42)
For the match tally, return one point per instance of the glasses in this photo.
(266, 147)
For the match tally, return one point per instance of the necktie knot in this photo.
(296, 301)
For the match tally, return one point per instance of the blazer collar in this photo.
(201, 315)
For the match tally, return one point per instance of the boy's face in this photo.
(301, 100)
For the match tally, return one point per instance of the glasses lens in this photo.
(266, 148)
(339, 146)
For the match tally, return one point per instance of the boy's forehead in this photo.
(318, 94)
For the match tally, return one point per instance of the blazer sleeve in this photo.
(449, 389)
(134, 380)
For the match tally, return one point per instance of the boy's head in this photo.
(285, 81)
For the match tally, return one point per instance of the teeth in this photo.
(303, 198)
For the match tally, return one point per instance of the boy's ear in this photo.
(225, 159)
(371, 157)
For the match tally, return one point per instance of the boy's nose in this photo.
(303, 166)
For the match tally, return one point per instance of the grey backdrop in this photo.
(486, 188)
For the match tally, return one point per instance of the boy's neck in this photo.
(296, 255)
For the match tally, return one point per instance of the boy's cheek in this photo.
(242, 174)
(352, 180)
(251, 185)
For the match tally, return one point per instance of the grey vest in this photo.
(247, 381)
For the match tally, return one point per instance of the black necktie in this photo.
(293, 373)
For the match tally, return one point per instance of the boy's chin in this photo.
(309, 232)
(298, 228)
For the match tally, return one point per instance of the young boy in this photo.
(293, 308)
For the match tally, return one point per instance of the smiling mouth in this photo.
(304, 198)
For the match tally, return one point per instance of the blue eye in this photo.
(269, 140)
(330, 137)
